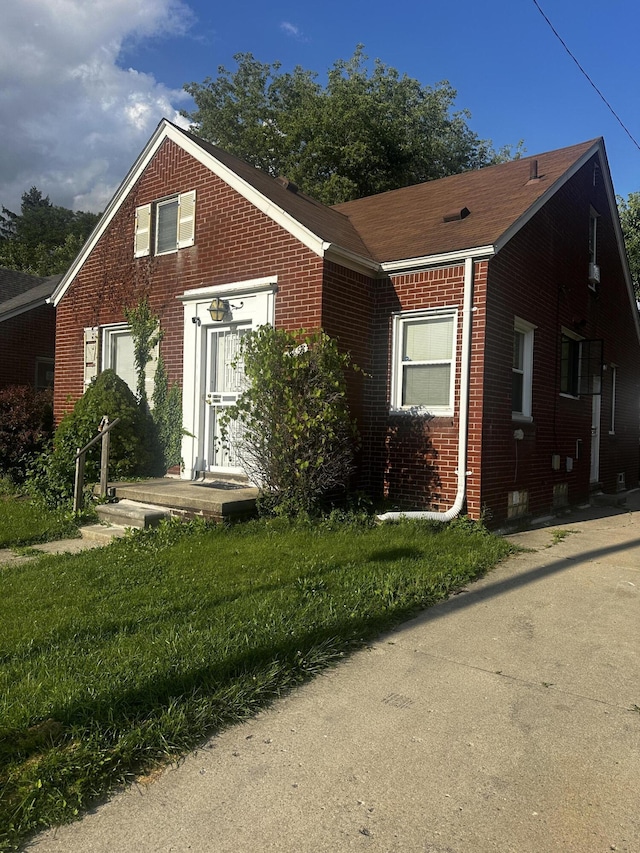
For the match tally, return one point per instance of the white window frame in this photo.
(527, 330)
(400, 322)
(159, 207)
(147, 217)
(108, 334)
(567, 333)
(593, 236)
(593, 241)
(614, 393)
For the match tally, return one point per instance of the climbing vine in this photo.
(166, 414)
(146, 334)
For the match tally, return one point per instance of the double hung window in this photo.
(424, 361)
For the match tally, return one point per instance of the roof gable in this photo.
(316, 226)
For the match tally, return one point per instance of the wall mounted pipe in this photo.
(463, 422)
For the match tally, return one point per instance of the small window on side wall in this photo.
(424, 361)
(580, 365)
(522, 369)
(594, 269)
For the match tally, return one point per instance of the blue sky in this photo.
(86, 81)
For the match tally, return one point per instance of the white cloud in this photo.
(292, 30)
(73, 120)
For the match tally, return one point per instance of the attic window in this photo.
(167, 224)
(456, 215)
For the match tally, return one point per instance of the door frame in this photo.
(251, 301)
(596, 426)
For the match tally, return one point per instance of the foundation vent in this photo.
(517, 503)
(560, 495)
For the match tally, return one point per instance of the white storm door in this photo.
(223, 385)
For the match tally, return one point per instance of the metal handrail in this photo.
(104, 429)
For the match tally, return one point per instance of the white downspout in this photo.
(463, 421)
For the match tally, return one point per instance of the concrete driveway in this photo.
(507, 719)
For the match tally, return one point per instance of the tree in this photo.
(365, 132)
(629, 210)
(43, 239)
(296, 436)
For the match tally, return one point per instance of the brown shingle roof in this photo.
(325, 222)
(408, 223)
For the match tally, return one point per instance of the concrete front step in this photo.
(218, 500)
(102, 534)
(129, 513)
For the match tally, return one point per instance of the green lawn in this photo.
(115, 659)
(23, 522)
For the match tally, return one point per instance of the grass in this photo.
(24, 521)
(115, 660)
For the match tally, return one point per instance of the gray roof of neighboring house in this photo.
(20, 291)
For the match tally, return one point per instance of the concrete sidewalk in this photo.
(506, 719)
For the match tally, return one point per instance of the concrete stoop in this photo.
(217, 500)
(129, 513)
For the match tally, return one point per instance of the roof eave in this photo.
(456, 257)
(23, 309)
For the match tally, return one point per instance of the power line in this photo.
(608, 105)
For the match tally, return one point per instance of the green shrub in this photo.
(297, 438)
(132, 445)
(26, 425)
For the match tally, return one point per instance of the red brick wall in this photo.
(23, 339)
(414, 459)
(541, 276)
(233, 242)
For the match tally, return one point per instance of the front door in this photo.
(224, 380)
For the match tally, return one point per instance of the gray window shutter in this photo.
(142, 242)
(91, 354)
(187, 219)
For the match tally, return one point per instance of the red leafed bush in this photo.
(26, 425)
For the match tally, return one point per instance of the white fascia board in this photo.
(351, 260)
(265, 205)
(457, 257)
(166, 130)
(112, 208)
(254, 285)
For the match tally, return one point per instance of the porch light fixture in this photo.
(218, 309)
(221, 308)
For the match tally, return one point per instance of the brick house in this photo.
(27, 329)
(492, 312)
